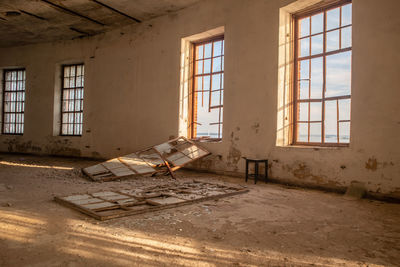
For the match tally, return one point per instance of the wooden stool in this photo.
(256, 175)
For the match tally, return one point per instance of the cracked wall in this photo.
(132, 88)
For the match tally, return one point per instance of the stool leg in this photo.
(255, 172)
(247, 170)
(266, 171)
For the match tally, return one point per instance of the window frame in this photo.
(193, 101)
(296, 18)
(4, 100)
(62, 99)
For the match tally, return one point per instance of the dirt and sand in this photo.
(272, 225)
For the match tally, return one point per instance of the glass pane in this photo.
(344, 132)
(199, 52)
(344, 109)
(317, 44)
(317, 23)
(338, 74)
(346, 15)
(206, 83)
(215, 98)
(207, 66)
(8, 76)
(346, 37)
(198, 84)
(207, 50)
(333, 18)
(303, 112)
(330, 122)
(317, 78)
(216, 82)
(303, 88)
(199, 67)
(315, 111)
(315, 132)
(217, 48)
(216, 64)
(304, 27)
(304, 69)
(302, 132)
(304, 47)
(332, 41)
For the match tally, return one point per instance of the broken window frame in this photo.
(194, 92)
(74, 112)
(296, 73)
(21, 113)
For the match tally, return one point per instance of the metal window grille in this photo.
(13, 101)
(322, 97)
(208, 89)
(72, 99)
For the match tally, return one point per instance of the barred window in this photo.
(72, 99)
(208, 89)
(13, 101)
(323, 76)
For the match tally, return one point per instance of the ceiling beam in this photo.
(72, 12)
(117, 11)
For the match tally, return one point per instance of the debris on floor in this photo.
(166, 157)
(111, 204)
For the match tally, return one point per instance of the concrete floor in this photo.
(269, 226)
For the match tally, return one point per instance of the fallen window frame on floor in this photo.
(166, 157)
(105, 205)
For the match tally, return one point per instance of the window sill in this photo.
(207, 140)
(313, 147)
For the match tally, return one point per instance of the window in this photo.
(323, 76)
(72, 99)
(13, 101)
(208, 89)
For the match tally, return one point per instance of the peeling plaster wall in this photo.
(132, 94)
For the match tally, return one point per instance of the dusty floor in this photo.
(269, 226)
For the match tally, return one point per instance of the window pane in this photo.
(304, 26)
(346, 37)
(198, 84)
(344, 132)
(317, 78)
(199, 67)
(315, 111)
(216, 64)
(331, 122)
(315, 132)
(216, 82)
(338, 74)
(346, 15)
(302, 132)
(332, 41)
(304, 90)
(207, 66)
(207, 51)
(303, 112)
(217, 48)
(317, 23)
(206, 83)
(199, 52)
(215, 98)
(344, 109)
(317, 44)
(304, 69)
(332, 18)
(304, 47)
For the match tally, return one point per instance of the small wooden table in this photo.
(256, 175)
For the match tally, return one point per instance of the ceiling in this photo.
(34, 21)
